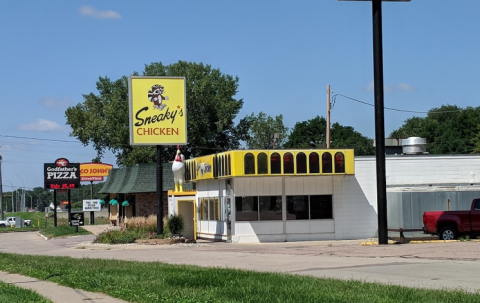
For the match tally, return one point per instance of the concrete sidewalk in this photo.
(55, 292)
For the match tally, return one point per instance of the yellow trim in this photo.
(184, 193)
(212, 165)
(194, 214)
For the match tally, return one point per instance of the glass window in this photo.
(204, 211)
(477, 204)
(301, 163)
(314, 164)
(297, 207)
(326, 163)
(275, 165)
(339, 163)
(309, 207)
(288, 163)
(321, 207)
(270, 208)
(249, 164)
(213, 209)
(246, 208)
(262, 160)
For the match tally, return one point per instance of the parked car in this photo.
(449, 225)
(9, 221)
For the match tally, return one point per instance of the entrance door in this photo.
(186, 208)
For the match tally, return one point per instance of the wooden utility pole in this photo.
(328, 116)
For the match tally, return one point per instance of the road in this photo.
(429, 265)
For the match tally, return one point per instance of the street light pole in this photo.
(379, 117)
(13, 200)
(22, 202)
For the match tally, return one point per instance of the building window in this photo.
(262, 160)
(326, 163)
(249, 163)
(263, 208)
(301, 163)
(213, 209)
(270, 208)
(246, 208)
(313, 163)
(309, 207)
(339, 163)
(204, 209)
(288, 163)
(321, 207)
(275, 164)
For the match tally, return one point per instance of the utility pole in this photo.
(328, 116)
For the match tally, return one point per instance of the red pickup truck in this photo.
(448, 225)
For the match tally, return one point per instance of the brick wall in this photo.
(146, 204)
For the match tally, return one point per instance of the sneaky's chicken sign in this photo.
(62, 174)
(158, 113)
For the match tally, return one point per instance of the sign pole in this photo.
(69, 206)
(92, 214)
(55, 208)
(159, 191)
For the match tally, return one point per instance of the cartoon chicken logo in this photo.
(178, 169)
(156, 96)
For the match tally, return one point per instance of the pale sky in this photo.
(285, 53)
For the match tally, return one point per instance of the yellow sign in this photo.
(158, 110)
(94, 171)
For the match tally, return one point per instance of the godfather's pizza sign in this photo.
(158, 112)
(62, 174)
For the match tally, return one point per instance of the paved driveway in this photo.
(432, 265)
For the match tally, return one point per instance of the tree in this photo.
(262, 130)
(312, 134)
(448, 130)
(103, 120)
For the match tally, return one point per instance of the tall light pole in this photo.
(22, 203)
(379, 117)
(13, 200)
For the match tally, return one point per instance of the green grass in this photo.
(63, 231)
(11, 293)
(158, 282)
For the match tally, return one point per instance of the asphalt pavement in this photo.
(441, 265)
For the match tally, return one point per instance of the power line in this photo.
(40, 139)
(395, 109)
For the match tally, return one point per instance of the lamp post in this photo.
(13, 200)
(379, 117)
(22, 203)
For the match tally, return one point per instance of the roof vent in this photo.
(414, 146)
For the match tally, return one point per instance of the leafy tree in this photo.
(103, 120)
(312, 134)
(262, 130)
(448, 130)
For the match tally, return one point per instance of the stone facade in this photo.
(146, 204)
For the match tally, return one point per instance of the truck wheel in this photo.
(2, 225)
(448, 233)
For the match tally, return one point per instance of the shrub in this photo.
(176, 224)
(117, 237)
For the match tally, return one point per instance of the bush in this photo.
(142, 224)
(117, 237)
(176, 224)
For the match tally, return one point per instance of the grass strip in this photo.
(11, 293)
(63, 231)
(159, 282)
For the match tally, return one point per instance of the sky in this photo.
(284, 53)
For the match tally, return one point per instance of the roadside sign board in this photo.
(94, 171)
(62, 174)
(76, 219)
(92, 205)
(47, 210)
(158, 110)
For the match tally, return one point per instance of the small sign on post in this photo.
(76, 219)
(92, 205)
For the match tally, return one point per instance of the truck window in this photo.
(477, 204)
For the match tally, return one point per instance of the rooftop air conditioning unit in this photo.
(414, 146)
